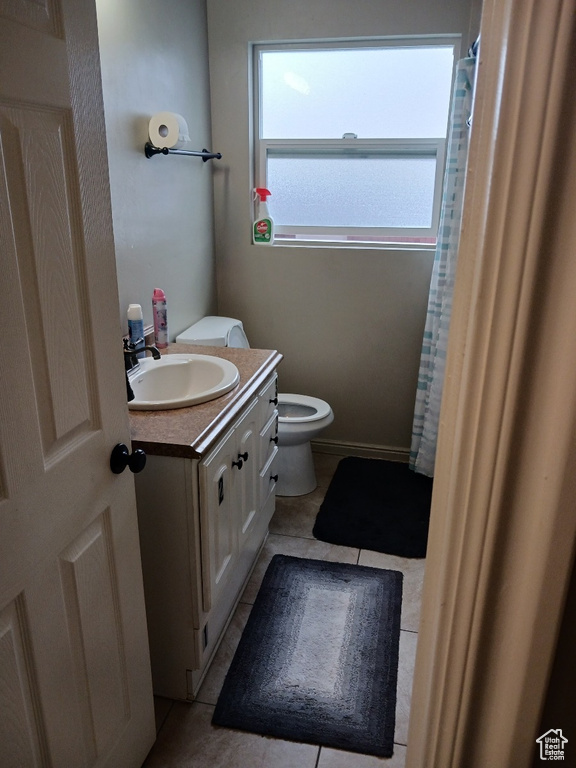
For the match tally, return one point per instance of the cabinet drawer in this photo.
(268, 399)
(269, 476)
(268, 439)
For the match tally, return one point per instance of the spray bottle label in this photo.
(262, 231)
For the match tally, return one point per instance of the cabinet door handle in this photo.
(243, 456)
(274, 440)
(238, 463)
(274, 477)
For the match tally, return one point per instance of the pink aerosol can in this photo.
(160, 316)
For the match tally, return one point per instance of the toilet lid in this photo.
(215, 331)
(301, 408)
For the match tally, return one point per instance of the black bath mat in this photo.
(379, 505)
(318, 659)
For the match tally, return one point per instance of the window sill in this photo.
(353, 245)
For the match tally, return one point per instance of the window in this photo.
(350, 138)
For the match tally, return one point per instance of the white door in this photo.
(75, 686)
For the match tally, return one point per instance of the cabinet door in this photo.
(246, 472)
(219, 541)
(268, 399)
(268, 442)
(268, 480)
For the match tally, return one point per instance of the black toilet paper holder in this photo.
(150, 150)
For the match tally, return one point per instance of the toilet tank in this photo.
(215, 332)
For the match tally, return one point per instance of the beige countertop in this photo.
(189, 432)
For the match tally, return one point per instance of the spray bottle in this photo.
(263, 230)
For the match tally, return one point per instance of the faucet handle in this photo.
(130, 359)
(130, 346)
(132, 350)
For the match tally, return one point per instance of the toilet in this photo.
(301, 418)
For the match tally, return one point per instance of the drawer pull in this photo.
(274, 401)
(238, 463)
(243, 456)
(274, 440)
(274, 477)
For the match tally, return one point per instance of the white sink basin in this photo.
(176, 381)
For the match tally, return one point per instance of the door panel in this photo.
(39, 182)
(89, 587)
(23, 729)
(38, 14)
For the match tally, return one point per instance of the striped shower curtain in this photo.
(433, 359)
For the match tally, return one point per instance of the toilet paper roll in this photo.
(167, 129)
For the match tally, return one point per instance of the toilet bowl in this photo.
(301, 418)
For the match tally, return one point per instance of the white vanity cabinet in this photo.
(202, 524)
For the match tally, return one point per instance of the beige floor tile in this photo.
(325, 465)
(188, 739)
(295, 547)
(407, 657)
(334, 758)
(212, 685)
(295, 515)
(413, 570)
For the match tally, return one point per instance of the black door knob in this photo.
(120, 458)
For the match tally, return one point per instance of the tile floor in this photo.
(186, 738)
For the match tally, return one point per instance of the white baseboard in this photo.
(388, 453)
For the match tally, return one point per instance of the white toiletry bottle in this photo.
(160, 315)
(136, 325)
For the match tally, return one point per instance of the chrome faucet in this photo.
(133, 348)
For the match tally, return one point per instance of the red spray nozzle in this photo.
(262, 193)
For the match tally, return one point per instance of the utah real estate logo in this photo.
(552, 744)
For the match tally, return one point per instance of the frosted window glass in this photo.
(352, 191)
(373, 92)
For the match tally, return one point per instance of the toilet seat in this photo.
(300, 409)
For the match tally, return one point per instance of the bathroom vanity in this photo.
(204, 500)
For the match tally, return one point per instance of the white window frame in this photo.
(360, 147)
(406, 147)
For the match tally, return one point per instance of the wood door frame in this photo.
(501, 544)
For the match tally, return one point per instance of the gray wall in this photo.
(349, 322)
(155, 57)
